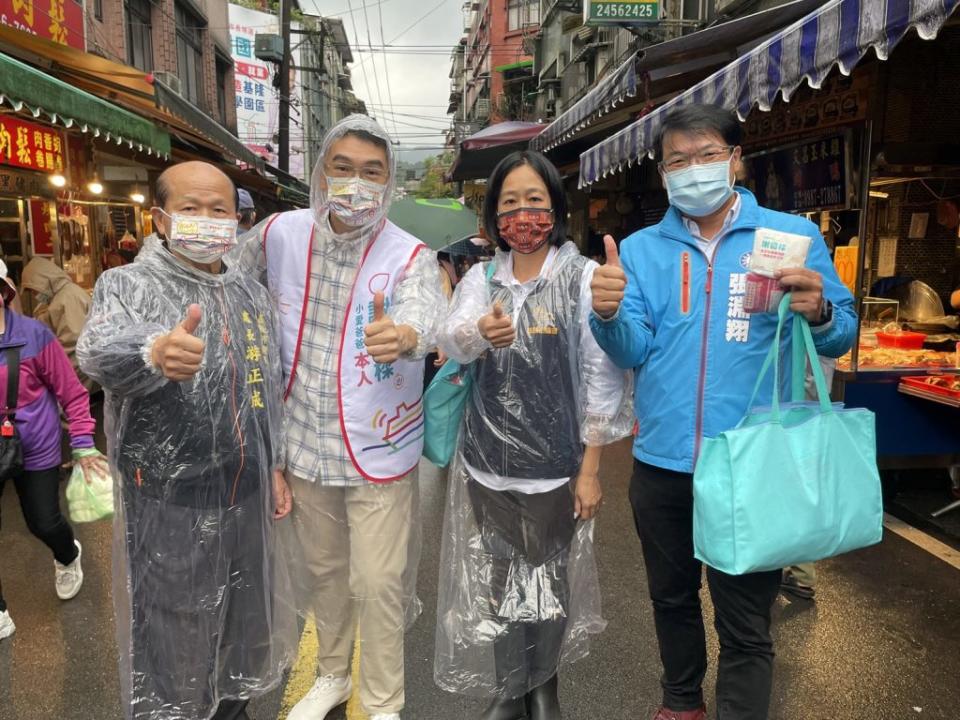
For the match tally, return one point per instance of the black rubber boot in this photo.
(506, 709)
(545, 702)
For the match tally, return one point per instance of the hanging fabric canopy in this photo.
(481, 152)
(838, 34)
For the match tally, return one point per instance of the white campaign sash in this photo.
(381, 414)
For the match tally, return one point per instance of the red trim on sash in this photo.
(303, 314)
(343, 336)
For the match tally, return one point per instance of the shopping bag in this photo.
(443, 405)
(89, 501)
(792, 483)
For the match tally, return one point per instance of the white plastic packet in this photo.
(773, 250)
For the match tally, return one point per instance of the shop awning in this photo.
(177, 105)
(838, 33)
(23, 87)
(435, 221)
(481, 152)
(624, 82)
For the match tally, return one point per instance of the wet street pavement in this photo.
(881, 642)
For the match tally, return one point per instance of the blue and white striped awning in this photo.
(839, 33)
(612, 90)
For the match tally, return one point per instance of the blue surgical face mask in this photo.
(700, 190)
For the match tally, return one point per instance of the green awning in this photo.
(514, 66)
(22, 86)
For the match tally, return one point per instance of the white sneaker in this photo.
(7, 628)
(386, 716)
(69, 577)
(327, 693)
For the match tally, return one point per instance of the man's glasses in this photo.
(703, 156)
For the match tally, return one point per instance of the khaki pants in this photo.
(355, 544)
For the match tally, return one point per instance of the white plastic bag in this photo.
(89, 495)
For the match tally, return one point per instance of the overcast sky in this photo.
(413, 51)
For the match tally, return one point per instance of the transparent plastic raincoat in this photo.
(201, 600)
(354, 540)
(519, 593)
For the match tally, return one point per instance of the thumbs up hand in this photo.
(609, 282)
(385, 340)
(497, 328)
(178, 354)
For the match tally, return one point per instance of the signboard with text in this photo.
(258, 105)
(804, 177)
(57, 20)
(600, 12)
(30, 146)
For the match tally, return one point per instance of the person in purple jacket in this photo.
(47, 384)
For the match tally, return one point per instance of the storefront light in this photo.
(95, 186)
(138, 197)
(58, 180)
(879, 194)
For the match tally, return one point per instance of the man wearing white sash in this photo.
(360, 304)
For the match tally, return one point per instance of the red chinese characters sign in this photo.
(57, 20)
(27, 145)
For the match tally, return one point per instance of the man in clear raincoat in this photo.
(359, 302)
(186, 348)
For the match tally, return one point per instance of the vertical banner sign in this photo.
(258, 104)
(599, 12)
(41, 226)
(57, 20)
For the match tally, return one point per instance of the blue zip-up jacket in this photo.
(682, 328)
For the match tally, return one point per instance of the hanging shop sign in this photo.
(29, 146)
(841, 101)
(57, 20)
(42, 222)
(802, 177)
(602, 12)
(15, 183)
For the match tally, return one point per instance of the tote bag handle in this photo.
(803, 349)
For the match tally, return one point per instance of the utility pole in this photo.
(283, 159)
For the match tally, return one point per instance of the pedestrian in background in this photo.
(670, 306)
(186, 349)
(248, 211)
(61, 304)
(519, 591)
(44, 385)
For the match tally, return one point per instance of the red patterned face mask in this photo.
(525, 229)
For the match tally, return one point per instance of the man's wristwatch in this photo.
(826, 314)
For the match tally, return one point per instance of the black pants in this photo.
(663, 511)
(39, 492)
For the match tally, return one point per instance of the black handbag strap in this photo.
(13, 381)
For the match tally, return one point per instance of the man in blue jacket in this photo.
(671, 307)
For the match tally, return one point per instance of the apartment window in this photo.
(223, 74)
(139, 43)
(189, 53)
(521, 13)
(98, 10)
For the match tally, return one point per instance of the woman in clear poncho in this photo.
(519, 592)
(199, 592)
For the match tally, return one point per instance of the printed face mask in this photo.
(201, 239)
(354, 200)
(525, 229)
(699, 190)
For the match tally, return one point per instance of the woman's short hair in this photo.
(551, 178)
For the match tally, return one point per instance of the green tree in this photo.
(434, 184)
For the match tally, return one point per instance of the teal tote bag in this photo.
(793, 482)
(443, 404)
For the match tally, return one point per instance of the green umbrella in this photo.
(436, 222)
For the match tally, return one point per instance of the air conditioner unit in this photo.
(170, 80)
(482, 108)
(268, 47)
